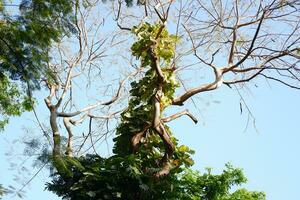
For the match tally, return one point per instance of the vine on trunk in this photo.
(148, 163)
(143, 130)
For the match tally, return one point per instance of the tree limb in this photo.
(179, 114)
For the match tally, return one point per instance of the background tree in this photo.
(27, 31)
(235, 40)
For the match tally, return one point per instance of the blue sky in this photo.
(269, 156)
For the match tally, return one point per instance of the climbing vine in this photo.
(142, 130)
(147, 163)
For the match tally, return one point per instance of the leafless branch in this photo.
(179, 114)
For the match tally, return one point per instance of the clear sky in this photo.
(269, 156)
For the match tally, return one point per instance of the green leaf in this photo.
(183, 148)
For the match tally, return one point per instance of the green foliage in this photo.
(245, 195)
(64, 165)
(139, 113)
(12, 102)
(120, 178)
(129, 174)
(25, 39)
(146, 34)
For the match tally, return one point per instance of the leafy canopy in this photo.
(26, 37)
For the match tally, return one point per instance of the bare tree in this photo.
(77, 77)
(235, 42)
(246, 39)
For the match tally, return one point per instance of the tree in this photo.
(26, 38)
(237, 41)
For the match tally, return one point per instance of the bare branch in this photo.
(118, 17)
(104, 103)
(179, 114)
(203, 88)
(250, 48)
(280, 81)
